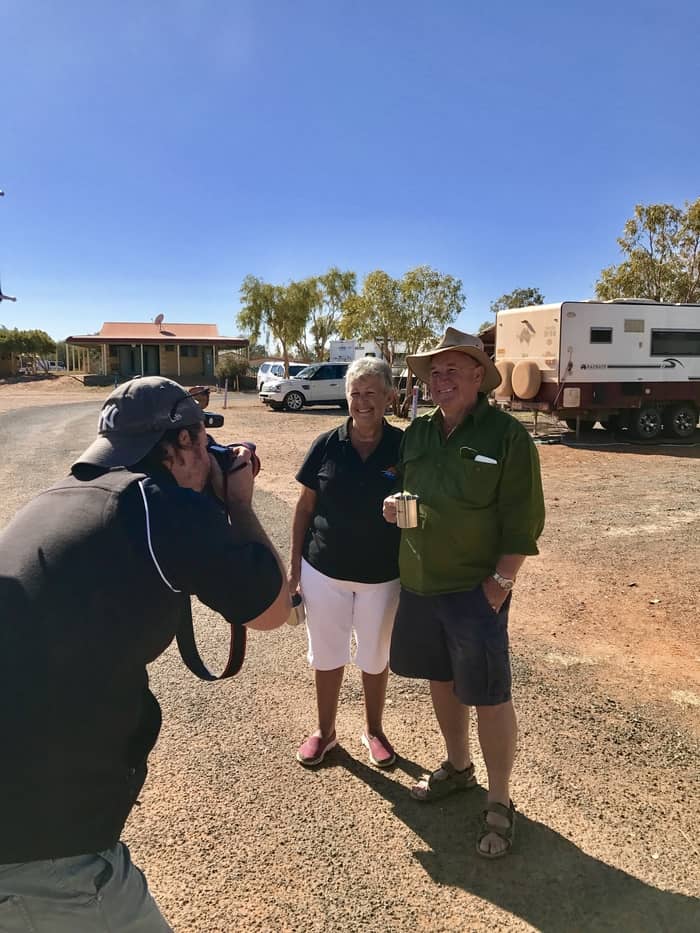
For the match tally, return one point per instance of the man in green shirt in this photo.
(481, 510)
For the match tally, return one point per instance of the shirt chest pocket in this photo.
(326, 476)
(476, 484)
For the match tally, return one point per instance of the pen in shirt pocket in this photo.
(468, 453)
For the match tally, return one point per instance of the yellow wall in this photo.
(8, 365)
(191, 365)
(168, 362)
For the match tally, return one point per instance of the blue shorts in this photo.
(92, 893)
(454, 636)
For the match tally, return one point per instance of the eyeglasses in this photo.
(200, 394)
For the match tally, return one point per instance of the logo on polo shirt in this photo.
(390, 472)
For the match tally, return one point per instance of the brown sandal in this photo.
(450, 781)
(503, 832)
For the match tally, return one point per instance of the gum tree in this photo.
(518, 298)
(661, 246)
(283, 309)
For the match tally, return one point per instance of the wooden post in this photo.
(414, 403)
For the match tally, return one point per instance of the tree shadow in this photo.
(546, 880)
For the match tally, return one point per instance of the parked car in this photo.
(273, 369)
(37, 367)
(317, 384)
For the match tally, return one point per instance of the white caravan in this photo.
(628, 364)
(345, 351)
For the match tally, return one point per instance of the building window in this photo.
(169, 347)
(675, 343)
(191, 351)
(113, 350)
(601, 334)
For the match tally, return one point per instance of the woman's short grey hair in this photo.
(370, 366)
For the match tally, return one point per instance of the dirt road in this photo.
(234, 835)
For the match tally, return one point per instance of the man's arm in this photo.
(507, 566)
(521, 513)
(246, 528)
(520, 497)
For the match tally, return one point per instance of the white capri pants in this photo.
(336, 608)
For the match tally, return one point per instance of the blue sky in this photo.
(155, 153)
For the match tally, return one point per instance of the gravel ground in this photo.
(234, 835)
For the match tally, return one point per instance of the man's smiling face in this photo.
(455, 379)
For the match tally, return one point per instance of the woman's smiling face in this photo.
(368, 398)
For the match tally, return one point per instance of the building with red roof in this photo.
(184, 352)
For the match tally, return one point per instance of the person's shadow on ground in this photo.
(546, 880)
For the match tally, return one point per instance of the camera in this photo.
(225, 457)
(212, 420)
(201, 395)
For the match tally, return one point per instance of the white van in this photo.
(274, 369)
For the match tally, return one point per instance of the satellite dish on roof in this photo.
(159, 319)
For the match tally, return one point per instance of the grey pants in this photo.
(98, 893)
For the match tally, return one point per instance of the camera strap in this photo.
(185, 631)
(190, 653)
(188, 646)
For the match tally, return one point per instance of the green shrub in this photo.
(233, 368)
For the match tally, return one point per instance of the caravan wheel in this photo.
(583, 425)
(681, 420)
(647, 423)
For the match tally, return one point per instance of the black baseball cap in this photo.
(134, 418)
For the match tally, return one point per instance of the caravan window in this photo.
(675, 343)
(601, 334)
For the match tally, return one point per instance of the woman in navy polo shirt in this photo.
(345, 557)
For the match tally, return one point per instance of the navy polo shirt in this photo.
(347, 538)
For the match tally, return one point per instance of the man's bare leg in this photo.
(453, 719)
(498, 736)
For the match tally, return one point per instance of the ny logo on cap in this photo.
(107, 418)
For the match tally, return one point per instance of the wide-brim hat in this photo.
(135, 416)
(455, 339)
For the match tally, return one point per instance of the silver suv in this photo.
(317, 384)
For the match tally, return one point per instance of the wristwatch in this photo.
(505, 583)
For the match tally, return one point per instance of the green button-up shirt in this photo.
(480, 496)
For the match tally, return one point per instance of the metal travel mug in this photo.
(298, 613)
(406, 510)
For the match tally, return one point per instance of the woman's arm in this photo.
(303, 514)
